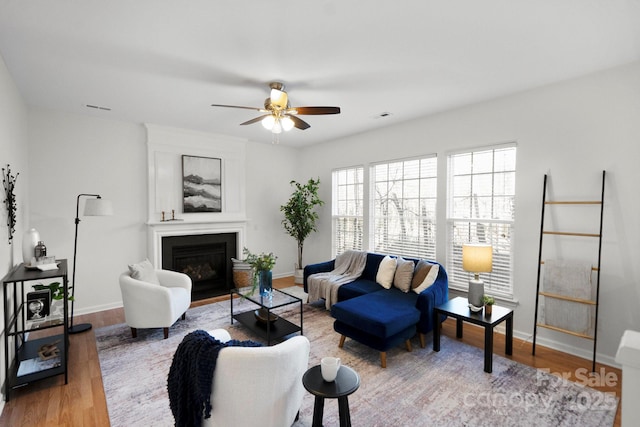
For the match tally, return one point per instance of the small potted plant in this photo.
(261, 264)
(488, 304)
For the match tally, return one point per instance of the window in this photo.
(404, 207)
(347, 209)
(481, 195)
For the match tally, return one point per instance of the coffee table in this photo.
(458, 308)
(347, 381)
(269, 330)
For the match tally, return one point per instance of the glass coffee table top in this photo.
(278, 299)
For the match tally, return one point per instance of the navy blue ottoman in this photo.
(380, 320)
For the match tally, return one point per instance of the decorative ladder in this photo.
(595, 303)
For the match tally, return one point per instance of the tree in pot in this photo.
(300, 216)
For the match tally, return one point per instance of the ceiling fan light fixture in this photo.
(277, 127)
(279, 98)
(268, 122)
(287, 123)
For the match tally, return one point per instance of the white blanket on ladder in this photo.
(348, 267)
(572, 279)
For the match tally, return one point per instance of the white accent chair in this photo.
(258, 386)
(150, 305)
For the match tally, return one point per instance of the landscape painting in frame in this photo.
(201, 184)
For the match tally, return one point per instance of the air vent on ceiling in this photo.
(98, 107)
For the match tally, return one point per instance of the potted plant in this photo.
(300, 216)
(261, 265)
(57, 291)
(488, 304)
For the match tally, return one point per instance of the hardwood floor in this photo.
(82, 402)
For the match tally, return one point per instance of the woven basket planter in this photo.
(242, 273)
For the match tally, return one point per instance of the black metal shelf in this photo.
(18, 347)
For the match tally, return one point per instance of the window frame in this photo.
(498, 283)
(420, 248)
(336, 246)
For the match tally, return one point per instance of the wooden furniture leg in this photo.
(408, 344)
(342, 337)
(383, 359)
(423, 340)
(134, 333)
(166, 333)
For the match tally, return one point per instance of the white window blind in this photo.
(404, 207)
(347, 209)
(481, 195)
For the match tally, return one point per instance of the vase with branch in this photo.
(261, 264)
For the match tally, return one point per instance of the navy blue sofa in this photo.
(382, 318)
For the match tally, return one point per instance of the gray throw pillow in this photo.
(144, 271)
(404, 274)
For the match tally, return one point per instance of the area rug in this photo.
(418, 388)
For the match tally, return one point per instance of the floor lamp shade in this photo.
(98, 207)
(94, 206)
(477, 259)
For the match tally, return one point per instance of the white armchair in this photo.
(151, 305)
(258, 386)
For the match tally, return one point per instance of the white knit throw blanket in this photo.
(348, 267)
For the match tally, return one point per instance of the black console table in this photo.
(23, 338)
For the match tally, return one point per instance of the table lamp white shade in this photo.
(477, 259)
(98, 207)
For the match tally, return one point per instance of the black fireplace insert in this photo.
(205, 258)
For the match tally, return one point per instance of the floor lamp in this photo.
(95, 206)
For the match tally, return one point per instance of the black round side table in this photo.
(347, 381)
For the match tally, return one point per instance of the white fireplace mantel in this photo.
(159, 229)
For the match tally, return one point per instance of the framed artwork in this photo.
(37, 304)
(201, 184)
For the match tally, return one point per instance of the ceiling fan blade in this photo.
(315, 110)
(299, 123)
(239, 106)
(256, 120)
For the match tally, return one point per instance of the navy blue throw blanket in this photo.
(191, 376)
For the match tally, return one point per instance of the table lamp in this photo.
(477, 259)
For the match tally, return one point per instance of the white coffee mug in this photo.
(329, 367)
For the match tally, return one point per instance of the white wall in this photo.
(269, 170)
(572, 131)
(14, 152)
(70, 155)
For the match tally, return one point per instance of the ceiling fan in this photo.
(280, 116)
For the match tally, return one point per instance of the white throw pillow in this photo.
(144, 271)
(429, 279)
(404, 274)
(386, 271)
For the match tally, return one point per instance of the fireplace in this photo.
(205, 258)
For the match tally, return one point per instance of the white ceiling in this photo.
(166, 62)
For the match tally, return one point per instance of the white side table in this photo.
(629, 357)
